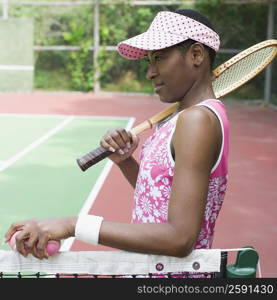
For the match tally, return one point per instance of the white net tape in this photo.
(111, 262)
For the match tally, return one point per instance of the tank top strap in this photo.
(217, 107)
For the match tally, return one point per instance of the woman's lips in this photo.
(158, 88)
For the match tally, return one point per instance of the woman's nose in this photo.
(152, 72)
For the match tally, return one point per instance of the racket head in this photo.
(242, 67)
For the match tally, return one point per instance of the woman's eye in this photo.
(153, 59)
(157, 58)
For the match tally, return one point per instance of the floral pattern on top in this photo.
(154, 183)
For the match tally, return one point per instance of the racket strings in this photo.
(242, 70)
(238, 72)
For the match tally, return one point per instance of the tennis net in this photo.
(211, 263)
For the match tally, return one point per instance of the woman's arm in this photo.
(130, 168)
(195, 143)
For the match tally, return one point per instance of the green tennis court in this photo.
(39, 174)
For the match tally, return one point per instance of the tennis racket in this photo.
(226, 78)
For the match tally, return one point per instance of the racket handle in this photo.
(93, 157)
(100, 153)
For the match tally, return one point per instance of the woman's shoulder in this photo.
(195, 114)
(196, 122)
(210, 109)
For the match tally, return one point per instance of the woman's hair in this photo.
(197, 16)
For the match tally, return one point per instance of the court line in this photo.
(36, 143)
(67, 244)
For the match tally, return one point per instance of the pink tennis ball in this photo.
(52, 246)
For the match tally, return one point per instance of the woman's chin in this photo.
(167, 99)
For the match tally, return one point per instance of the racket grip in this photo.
(93, 157)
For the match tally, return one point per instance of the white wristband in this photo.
(87, 229)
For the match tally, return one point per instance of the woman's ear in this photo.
(197, 54)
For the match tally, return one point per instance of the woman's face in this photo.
(172, 72)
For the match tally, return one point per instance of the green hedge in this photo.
(239, 26)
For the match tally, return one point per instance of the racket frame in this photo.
(100, 153)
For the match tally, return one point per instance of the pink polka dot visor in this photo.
(166, 30)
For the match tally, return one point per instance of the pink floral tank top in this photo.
(155, 177)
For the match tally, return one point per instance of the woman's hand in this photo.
(121, 142)
(35, 233)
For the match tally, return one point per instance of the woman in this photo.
(181, 178)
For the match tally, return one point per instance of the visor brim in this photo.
(138, 46)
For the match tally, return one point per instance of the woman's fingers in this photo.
(26, 239)
(20, 240)
(13, 228)
(33, 235)
(126, 139)
(117, 140)
(134, 138)
(40, 248)
(121, 142)
(30, 243)
(109, 144)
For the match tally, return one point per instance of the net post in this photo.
(245, 265)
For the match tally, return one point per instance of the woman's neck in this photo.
(200, 91)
